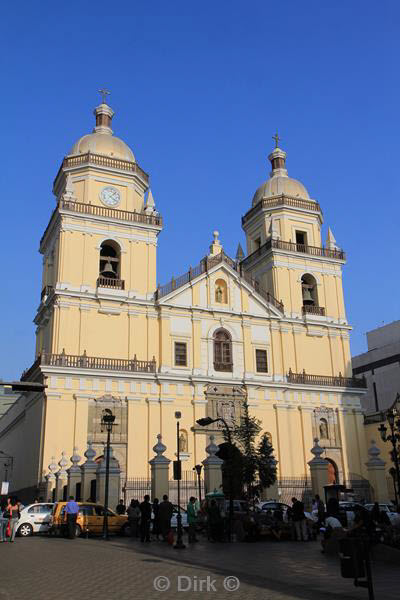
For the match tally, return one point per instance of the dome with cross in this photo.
(101, 140)
(279, 182)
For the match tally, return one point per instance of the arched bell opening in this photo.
(110, 259)
(309, 290)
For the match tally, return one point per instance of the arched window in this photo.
(323, 429)
(110, 265)
(309, 290)
(221, 292)
(222, 351)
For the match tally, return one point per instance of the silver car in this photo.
(35, 518)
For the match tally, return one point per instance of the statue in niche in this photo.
(183, 443)
(218, 294)
(323, 429)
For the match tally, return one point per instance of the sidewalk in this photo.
(121, 569)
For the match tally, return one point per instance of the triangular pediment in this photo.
(200, 291)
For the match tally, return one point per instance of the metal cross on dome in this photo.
(104, 93)
(277, 139)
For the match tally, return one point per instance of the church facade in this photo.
(268, 327)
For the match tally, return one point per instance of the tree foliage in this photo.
(257, 460)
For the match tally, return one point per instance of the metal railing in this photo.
(110, 213)
(103, 161)
(207, 263)
(282, 200)
(325, 380)
(109, 282)
(313, 310)
(293, 247)
(91, 362)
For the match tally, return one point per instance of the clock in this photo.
(110, 196)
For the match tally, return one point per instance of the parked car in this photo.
(35, 518)
(347, 512)
(90, 520)
(273, 505)
(389, 509)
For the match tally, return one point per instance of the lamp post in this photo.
(393, 419)
(179, 543)
(107, 423)
(204, 423)
(198, 469)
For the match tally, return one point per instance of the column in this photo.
(88, 474)
(376, 474)
(61, 477)
(212, 468)
(114, 481)
(74, 476)
(159, 468)
(319, 470)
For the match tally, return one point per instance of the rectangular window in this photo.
(180, 354)
(261, 361)
(301, 241)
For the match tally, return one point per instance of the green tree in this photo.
(266, 462)
(257, 463)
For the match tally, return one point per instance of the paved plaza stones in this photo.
(43, 568)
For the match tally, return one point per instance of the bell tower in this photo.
(285, 255)
(99, 248)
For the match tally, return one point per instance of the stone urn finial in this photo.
(212, 450)
(63, 462)
(52, 467)
(75, 459)
(90, 453)
(317, 451)
(159, 449)
(374, 459)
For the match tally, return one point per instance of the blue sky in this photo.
(198, 90)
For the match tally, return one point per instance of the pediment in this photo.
(199, 292)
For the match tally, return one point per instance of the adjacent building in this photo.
(380, 365)
(268, 327)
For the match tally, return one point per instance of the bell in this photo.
(307, 298)
(108, 270)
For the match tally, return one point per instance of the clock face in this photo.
(110, 196)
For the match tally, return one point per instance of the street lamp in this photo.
(107, 423)
(204, 422)
(198, 469)
(394, 438)
(179, 543)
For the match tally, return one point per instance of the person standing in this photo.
(299, 520)
(191, 517)
(134, 517)
(320, 508)
(13, 510)
(120, 508)
(3, 522)
(156, 518)
(165, 513)
(145, 519)
(71, 510)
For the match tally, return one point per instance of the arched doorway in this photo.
(333, 472)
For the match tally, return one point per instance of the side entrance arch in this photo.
(333, 471)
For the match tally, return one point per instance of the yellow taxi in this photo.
(89, 521)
